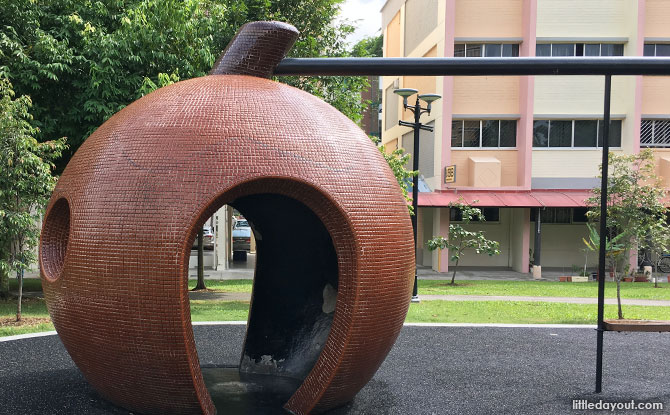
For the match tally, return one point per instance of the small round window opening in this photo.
(55, 235)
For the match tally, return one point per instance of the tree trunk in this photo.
(201, 263)
(18, 306)
(453, 276)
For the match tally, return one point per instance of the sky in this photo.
(365, 15)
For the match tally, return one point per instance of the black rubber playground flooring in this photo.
(431, 370)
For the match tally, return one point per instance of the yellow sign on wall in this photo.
(450, 174)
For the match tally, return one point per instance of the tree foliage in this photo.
(26, 184)
(369, 47)
(82, 61)
(636, 216)
(397, 161)
(460, 239)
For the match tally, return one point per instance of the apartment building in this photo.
(524, 146)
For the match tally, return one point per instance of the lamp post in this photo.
(417, 109)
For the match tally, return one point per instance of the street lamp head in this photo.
(405, 93)
(429, 98)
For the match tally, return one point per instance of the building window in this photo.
(579, 215)
(560, 215)
(483, 133)
(487, 50)
(655, 133)
(574, 133)
(579, 49)
(656, 49)
(491, 214)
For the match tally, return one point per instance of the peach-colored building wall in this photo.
(657, 18)
(391, 146)
(393, 31)
(425, 84)
(662, 161)
(461, 159)
(486, 95)
(656, 94)
(488, 18)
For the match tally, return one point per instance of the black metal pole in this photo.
(415, 195)
(537, 251)
(577, 65)
(603, 237)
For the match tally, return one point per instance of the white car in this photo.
(241, 239)
(207, 239)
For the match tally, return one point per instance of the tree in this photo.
(635, 215)
(397, 160)
(82, 61)
(613, 251)
(369, 47)
(461, 239)
(26, 184)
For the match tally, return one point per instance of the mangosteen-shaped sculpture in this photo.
(335, 259)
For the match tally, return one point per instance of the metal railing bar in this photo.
(475, 66)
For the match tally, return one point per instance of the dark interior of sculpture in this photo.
(293, 299)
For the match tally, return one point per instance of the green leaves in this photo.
(636, 216)
(26, 182)
(460, 238)
(397, 160)
(81, 61)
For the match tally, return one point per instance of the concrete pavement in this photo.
(430, 370)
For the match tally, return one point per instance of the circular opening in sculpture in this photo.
(54, 242)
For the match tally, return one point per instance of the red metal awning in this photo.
(497, 198)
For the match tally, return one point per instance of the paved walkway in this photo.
(571, 300)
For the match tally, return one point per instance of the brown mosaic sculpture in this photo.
(330, 291)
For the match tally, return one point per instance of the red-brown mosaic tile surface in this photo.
(120, 224)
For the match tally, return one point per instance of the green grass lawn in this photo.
(523, 312)
(202, 310)
(232, 286)
(35, 312)
(637, 290)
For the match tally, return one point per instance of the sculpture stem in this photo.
(256, 49)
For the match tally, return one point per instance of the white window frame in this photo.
(655, 46)
(572, 136)
(574, 47)
(484, 44)
(481, 129)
